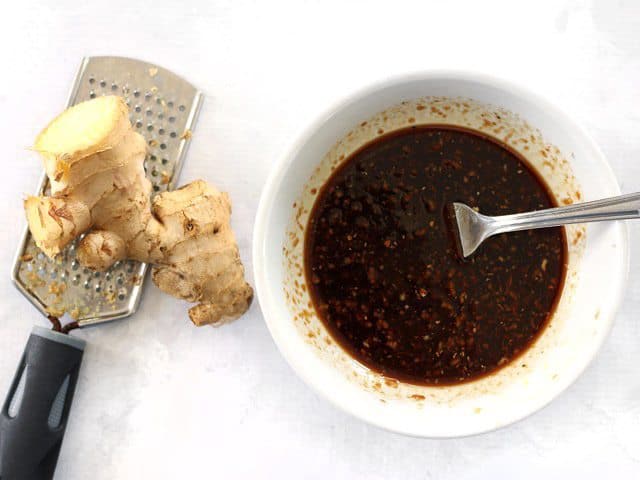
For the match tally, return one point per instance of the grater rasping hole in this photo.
(53, 283)
(152, 125)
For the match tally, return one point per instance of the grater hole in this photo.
(158, 100)
(154, 172)
(122, 294)
(165, 161)
(161, 131)
(149, 127)
(160, 116)
(120, 280)
(114, 87)
(172, 119)
(147, 96)
(136, 93)
(92, 80)
(138, 123)
(156, 188)
(163, 146)
(92, 94)
(76, 279)
(149, 112)
(181, 108)
(170, 104)
(75, 265)
(173, 134)
(103, 83)
(98, 287)
(138, 108)
(87, 284)
(153, 158)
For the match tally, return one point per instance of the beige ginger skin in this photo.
(95, 164)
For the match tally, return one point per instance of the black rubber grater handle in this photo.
(35, 413)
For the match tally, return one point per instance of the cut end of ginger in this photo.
(82, 130)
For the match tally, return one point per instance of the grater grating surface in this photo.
(163, 108)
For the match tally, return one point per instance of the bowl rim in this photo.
(286, 158)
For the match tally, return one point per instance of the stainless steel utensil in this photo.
(474, 228)
(164, 109)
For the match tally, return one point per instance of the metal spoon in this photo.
(474, 228)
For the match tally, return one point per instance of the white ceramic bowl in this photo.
(560, 150)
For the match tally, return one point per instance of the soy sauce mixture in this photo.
(382, 265)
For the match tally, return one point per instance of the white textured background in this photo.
(160, 399)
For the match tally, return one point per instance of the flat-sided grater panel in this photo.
(164, 109)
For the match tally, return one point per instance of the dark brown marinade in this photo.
(382, 267)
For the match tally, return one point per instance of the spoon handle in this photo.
(623, 207)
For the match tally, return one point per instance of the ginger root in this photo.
(95, 163)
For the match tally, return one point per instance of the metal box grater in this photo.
(164, 109)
